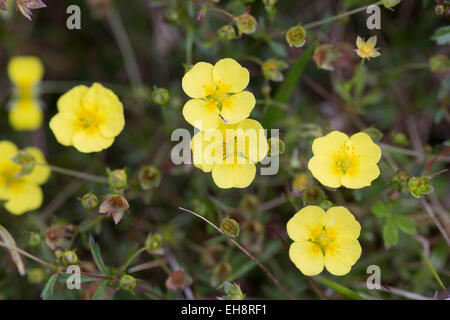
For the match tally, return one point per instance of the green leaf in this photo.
(339, 288)
(95, 250)
(379, 209)
(433, 270)
(286, 89)
(7, 238)
(48, 288)
(390, 234)
(442, 35)
(407, 225)
(99, 292)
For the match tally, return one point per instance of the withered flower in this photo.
(114, 205)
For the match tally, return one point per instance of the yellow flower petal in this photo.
(326, 145)
(114, 124)
(25, 115)
(27, 197)
(40, 174)
(343, 223)
(197, 111)
(360, 177)
(238, 107)
(372, 41)
(340, 260)
(323, 169)
(87, 143)
(7, 150)
(305, 222)
(25, 71)
(72, 100)
(63, 127)
(227, 176)
(307, 257)
(359, 42)
(207, 149)
(230, 76)
(253, 144)
(368, 151)
(198, 82)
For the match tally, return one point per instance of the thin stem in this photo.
(339, 16)
(28, 255)
(408, 152)
(222, 11)
(125, 47)
(435, 220)
(74, 173)
(147, 265)
(248, 254)
(134, 256)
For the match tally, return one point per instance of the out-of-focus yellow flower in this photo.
(366, 49)
(340, 160)
(217, 92)
(25, 73)
(324, 239)
(88, 118)
(230, 152)
(21, 193)
(25, 115)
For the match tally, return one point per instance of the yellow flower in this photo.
(340, 160)
(324, 240)
(25, 73)
(25, 115)
(22, 194)
(88, 118)
(217, 93)
(230, 152)
(367, 50)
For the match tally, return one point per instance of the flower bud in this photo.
(69, 258)
(226, 33)
(249, 203)
(375, 134)
(117, 179)
(313, 195)
(296, 36)
(202, 12)
(114, 205)
(272, 69)
(276, 146)
(439, 9)
(300, 182)
(220, 273)
(390, 3)
(36, 275)
(171, 15)
(325, 55)
(89, 201)
(26, 161)
(230, 227)
(149, 177)
(178, 280)
(419, 186)
(32, 239)
(439, 64)
(325, 204)
(160, 96)
(55, 236)
(154, 243)
(127, 283)
(400, 180)
(400, 139)
(246, 23)
(232, 292)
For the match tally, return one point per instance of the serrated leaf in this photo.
(379, 209)
(442, 35)
(47, 292)
(95, 251)
(99, 292)
(390, 234)
(407, 225)
(6, 237)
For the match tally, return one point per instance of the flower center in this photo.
(346, 158)
(324, 238)
(366, 49)
(89, 119)
(215, 95)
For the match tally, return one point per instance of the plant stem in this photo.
(339, 16)
(134, 256)
(28, 255)
(74, 173)
(248, 254)
(435, 220)
(222, 11)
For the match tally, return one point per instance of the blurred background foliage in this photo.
(396, 95)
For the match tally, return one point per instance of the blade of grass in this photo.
(339, 288)
(433, 270)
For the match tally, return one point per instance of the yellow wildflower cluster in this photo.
(25, 73)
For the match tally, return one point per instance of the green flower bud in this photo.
(171, 15)
(390, 3)
(230, 227)
(36, 275)
(276, 146)
(313, 195)
(325, 55)
(226, 33)
(89, 201)
(160, 96)
(149, 177)
(26, 161)
(400, 180)
(419, 186)
(326, 204)
(375, 134)
(272, 69)
(32, 239)
(400, 139)
(246, 23)
(69, 258)
(296, 36)
(127, 283)
(439, 64)
(232, 292)
(117, 179)
(154, 243)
